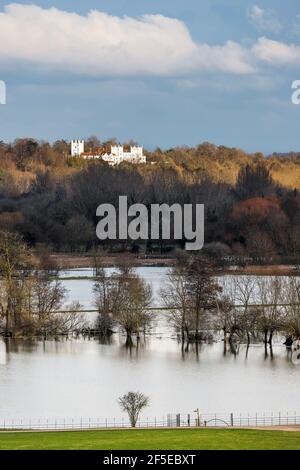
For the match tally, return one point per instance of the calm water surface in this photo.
(74, 378)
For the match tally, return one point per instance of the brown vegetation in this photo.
(252, 203)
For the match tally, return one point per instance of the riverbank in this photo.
(183, 439)
(70, 261)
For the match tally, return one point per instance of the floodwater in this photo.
(84, 378)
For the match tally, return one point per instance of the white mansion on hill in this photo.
(114, 155)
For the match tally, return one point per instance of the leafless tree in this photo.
(203, 290)
(292, 307)
(271, 313)
(175, 297)
(64, 323)
(132, 299)
(103, 291)
(244, 288)
(125, 298)
(133, 403)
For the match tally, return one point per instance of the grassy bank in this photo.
(204, 439)
(73, 261)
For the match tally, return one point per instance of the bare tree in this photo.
(190, 294)
(103, 300)
(225, 319)
(16, 265)
(271, 313)
(244, 291)
(175, 297)
(131, 301)
(133, 403)
(67, 322)
(125, 298)
(203, 290)
(292, 307)
(48, 294)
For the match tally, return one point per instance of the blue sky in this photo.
(163, 73)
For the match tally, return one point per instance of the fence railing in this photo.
(168, 421)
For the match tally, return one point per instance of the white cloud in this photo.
(276, 53)
(100, 44)
(264, 20)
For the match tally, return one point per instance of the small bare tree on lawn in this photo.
(132, 403)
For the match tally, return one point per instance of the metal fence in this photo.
(168, 421)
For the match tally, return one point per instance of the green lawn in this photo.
(187, 439)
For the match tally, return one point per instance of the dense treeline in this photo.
(252, 203)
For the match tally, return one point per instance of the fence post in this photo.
(178, 420)
(231, 419)
(189, 420)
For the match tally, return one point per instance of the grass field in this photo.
(202, 439)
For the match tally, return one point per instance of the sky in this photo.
(161, 72)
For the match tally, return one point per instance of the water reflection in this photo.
(85, 376)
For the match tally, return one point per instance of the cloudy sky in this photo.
(163, 72)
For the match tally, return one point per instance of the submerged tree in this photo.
(244, 292)
(175, 297)
(103, 300)
(190, 294)
(123, 298)
(16, 265)
(133, 403)
(30, 289)
(131, 301)
(271, 314)
(203, 291)
(292, 308)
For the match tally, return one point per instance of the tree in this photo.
(271, 315)
(103, 299)
(133, 403)
(244, 294)
(125, 298)
(48, 294)
(30, 289)
(14, 269)
(254, 181)
(226, 319)
(175, 297)
(292, 307)
(190, 293)
(131, 301)
(202, 290)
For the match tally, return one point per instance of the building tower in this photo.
(77, 148)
